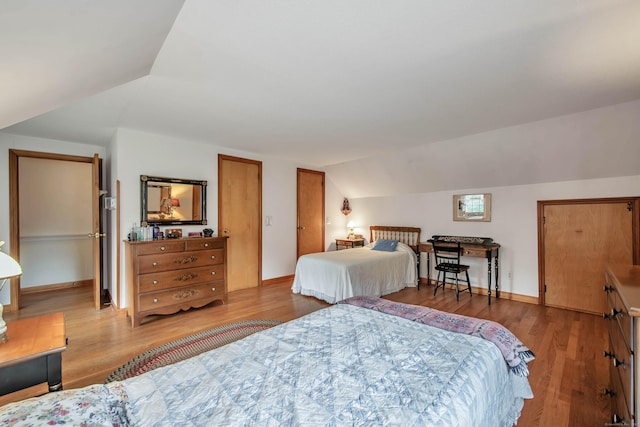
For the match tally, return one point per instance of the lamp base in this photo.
(3, 338)
(3, 327)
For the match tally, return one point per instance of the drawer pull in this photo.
(163, 248)
(607, 316)
(155, 282)
(213, 289)
(213, 273)
(213, 257)
(154, 263)
(617, 313)
(609, 392)
(607, 289)
(206, 245)
(609, 355)
(185, 294)
(155, 300)
(618, 420)
(186, 260)
(186, 277)
(617, 363)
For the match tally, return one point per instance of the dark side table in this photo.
(32, 353)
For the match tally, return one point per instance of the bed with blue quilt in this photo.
(364, 361)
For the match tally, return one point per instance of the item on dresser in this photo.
(165, 277)
(622, 287)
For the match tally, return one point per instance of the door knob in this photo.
(225, 231)
(96, 235)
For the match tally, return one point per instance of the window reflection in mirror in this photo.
(172, 201)
(472, 207)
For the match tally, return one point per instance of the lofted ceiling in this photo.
(320, 82)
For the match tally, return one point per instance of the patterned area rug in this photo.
(187, 347)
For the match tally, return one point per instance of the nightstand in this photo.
(348, 243)
(32, 353)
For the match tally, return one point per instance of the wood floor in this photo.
(567, 377)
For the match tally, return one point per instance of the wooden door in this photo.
(580, 239)
(96, 233)
(310, 188)
(239, 218)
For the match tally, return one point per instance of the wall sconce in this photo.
(346, 210)
(351, 226)
(8, 268)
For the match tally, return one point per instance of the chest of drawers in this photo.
(622, 286)
(166, 276)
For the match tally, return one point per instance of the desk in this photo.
(32, 354)
(489, 251)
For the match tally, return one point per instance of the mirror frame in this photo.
(460, 215)
(144, 205)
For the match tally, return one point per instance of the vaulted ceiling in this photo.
(320, 81)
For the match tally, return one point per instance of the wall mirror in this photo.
(172, 201)
(472, 207)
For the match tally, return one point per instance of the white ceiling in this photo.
(318, 81)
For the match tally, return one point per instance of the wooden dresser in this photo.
(622, 287)
(166, 276)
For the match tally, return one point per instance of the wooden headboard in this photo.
(408, 235)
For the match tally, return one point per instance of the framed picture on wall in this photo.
(472, 207)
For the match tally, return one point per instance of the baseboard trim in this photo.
(56, 286)
(483, 291)
(277, 280)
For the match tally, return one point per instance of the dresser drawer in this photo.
(170, 279)
(621, 364)
(160, 247)
(172, 261)
(619, 404)
(204, 243)
(185, 295)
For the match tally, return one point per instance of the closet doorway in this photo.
(55, 227)
(577, 240)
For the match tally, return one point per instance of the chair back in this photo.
(447, 253)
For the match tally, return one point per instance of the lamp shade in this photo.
(8, 267)
(351, 224)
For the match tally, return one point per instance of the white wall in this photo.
(8, 141)
(138, 153)
(513, 221)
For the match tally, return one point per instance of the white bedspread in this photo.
(334, 276)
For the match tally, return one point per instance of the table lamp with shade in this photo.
(8, 268)
(351, 226)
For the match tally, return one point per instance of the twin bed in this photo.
(364, 361)
(337, 275)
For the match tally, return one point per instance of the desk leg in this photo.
(428, 268)
(497, 274)
(54, 372)
(489, 267)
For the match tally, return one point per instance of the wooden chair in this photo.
(447, 257)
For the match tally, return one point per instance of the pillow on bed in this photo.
(385, 245)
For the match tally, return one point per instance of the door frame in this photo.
(14, 214)
(633, 202)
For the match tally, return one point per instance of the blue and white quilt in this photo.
(342, 365)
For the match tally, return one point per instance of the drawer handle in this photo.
(213, 273)
(617, 363)
(213, 257)
(186, 260)
(609, 392)
(155, 300)
(213, 289)
(154, 263)
(163, 248)
(155, 282)
(206, 245)
(607, 289)
(618, 420)
(186, 277)
(607, 316)
(617, 313)
(185, 294)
